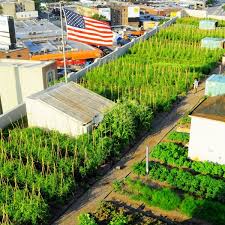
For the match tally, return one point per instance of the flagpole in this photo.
(64, 57)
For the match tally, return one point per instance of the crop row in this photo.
(110, 213)
(54, 165)
(154, 72)
(195, 21)
(186, 33)
(179, 137)
(199, 185)
(175, 155)
(167, 199)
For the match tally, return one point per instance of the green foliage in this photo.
(117, 185)
(171, 154)
(175, 155)
(86, 219)
(195, 21)
(163, 198)
(99, 17)
(179, 137)
(199, 185)
(207, 210)
(168, 64)
(53, 164)
(119, 219)
(112, 213)
(184, 120)
(189, 205)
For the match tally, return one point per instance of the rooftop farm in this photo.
(40, 169)
(175, 185)
(157, 71)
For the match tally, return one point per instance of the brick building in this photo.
(20, 53)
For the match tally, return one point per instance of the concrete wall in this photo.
(22, 53)
(13, 115)
(119, 52)
(207, 140)
(201, 14)
(196, 13)
(216, 17)
(27, 14)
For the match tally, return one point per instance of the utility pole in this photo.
(63, 44)
(147, 159)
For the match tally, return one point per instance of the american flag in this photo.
(87, 30)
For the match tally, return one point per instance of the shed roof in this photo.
(74, 100)
(219, 78)
(212, 108)
(208, 21)
(213, 39)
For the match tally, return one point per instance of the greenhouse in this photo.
(208, 24)
(215, 85)
(212, 43)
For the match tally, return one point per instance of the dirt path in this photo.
(162, 124)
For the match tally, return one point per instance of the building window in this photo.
(50, 76)
(19, 56)
(8, 57)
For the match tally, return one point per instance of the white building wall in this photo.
(42, 115)
(31, 80)
(28, 14)
(9, 88)
(196, 13)
(207, 140)
(17, 82)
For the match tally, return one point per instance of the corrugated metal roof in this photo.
(212, 108)
(74, 100)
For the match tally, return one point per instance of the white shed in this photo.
(207, 134)
(68, 108)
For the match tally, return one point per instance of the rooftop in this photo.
(212, 108)
(74, 100)
(29, 29)
(217, 78)
(54, 46)
(213, 39)
(23, 63)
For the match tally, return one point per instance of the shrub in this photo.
(179, 137)
(86, 219)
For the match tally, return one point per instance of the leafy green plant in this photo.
(199, 185)
(53, 164)
(86, 219)
(207, 210)
(175, 155)
(119, 219)
(179, 137)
